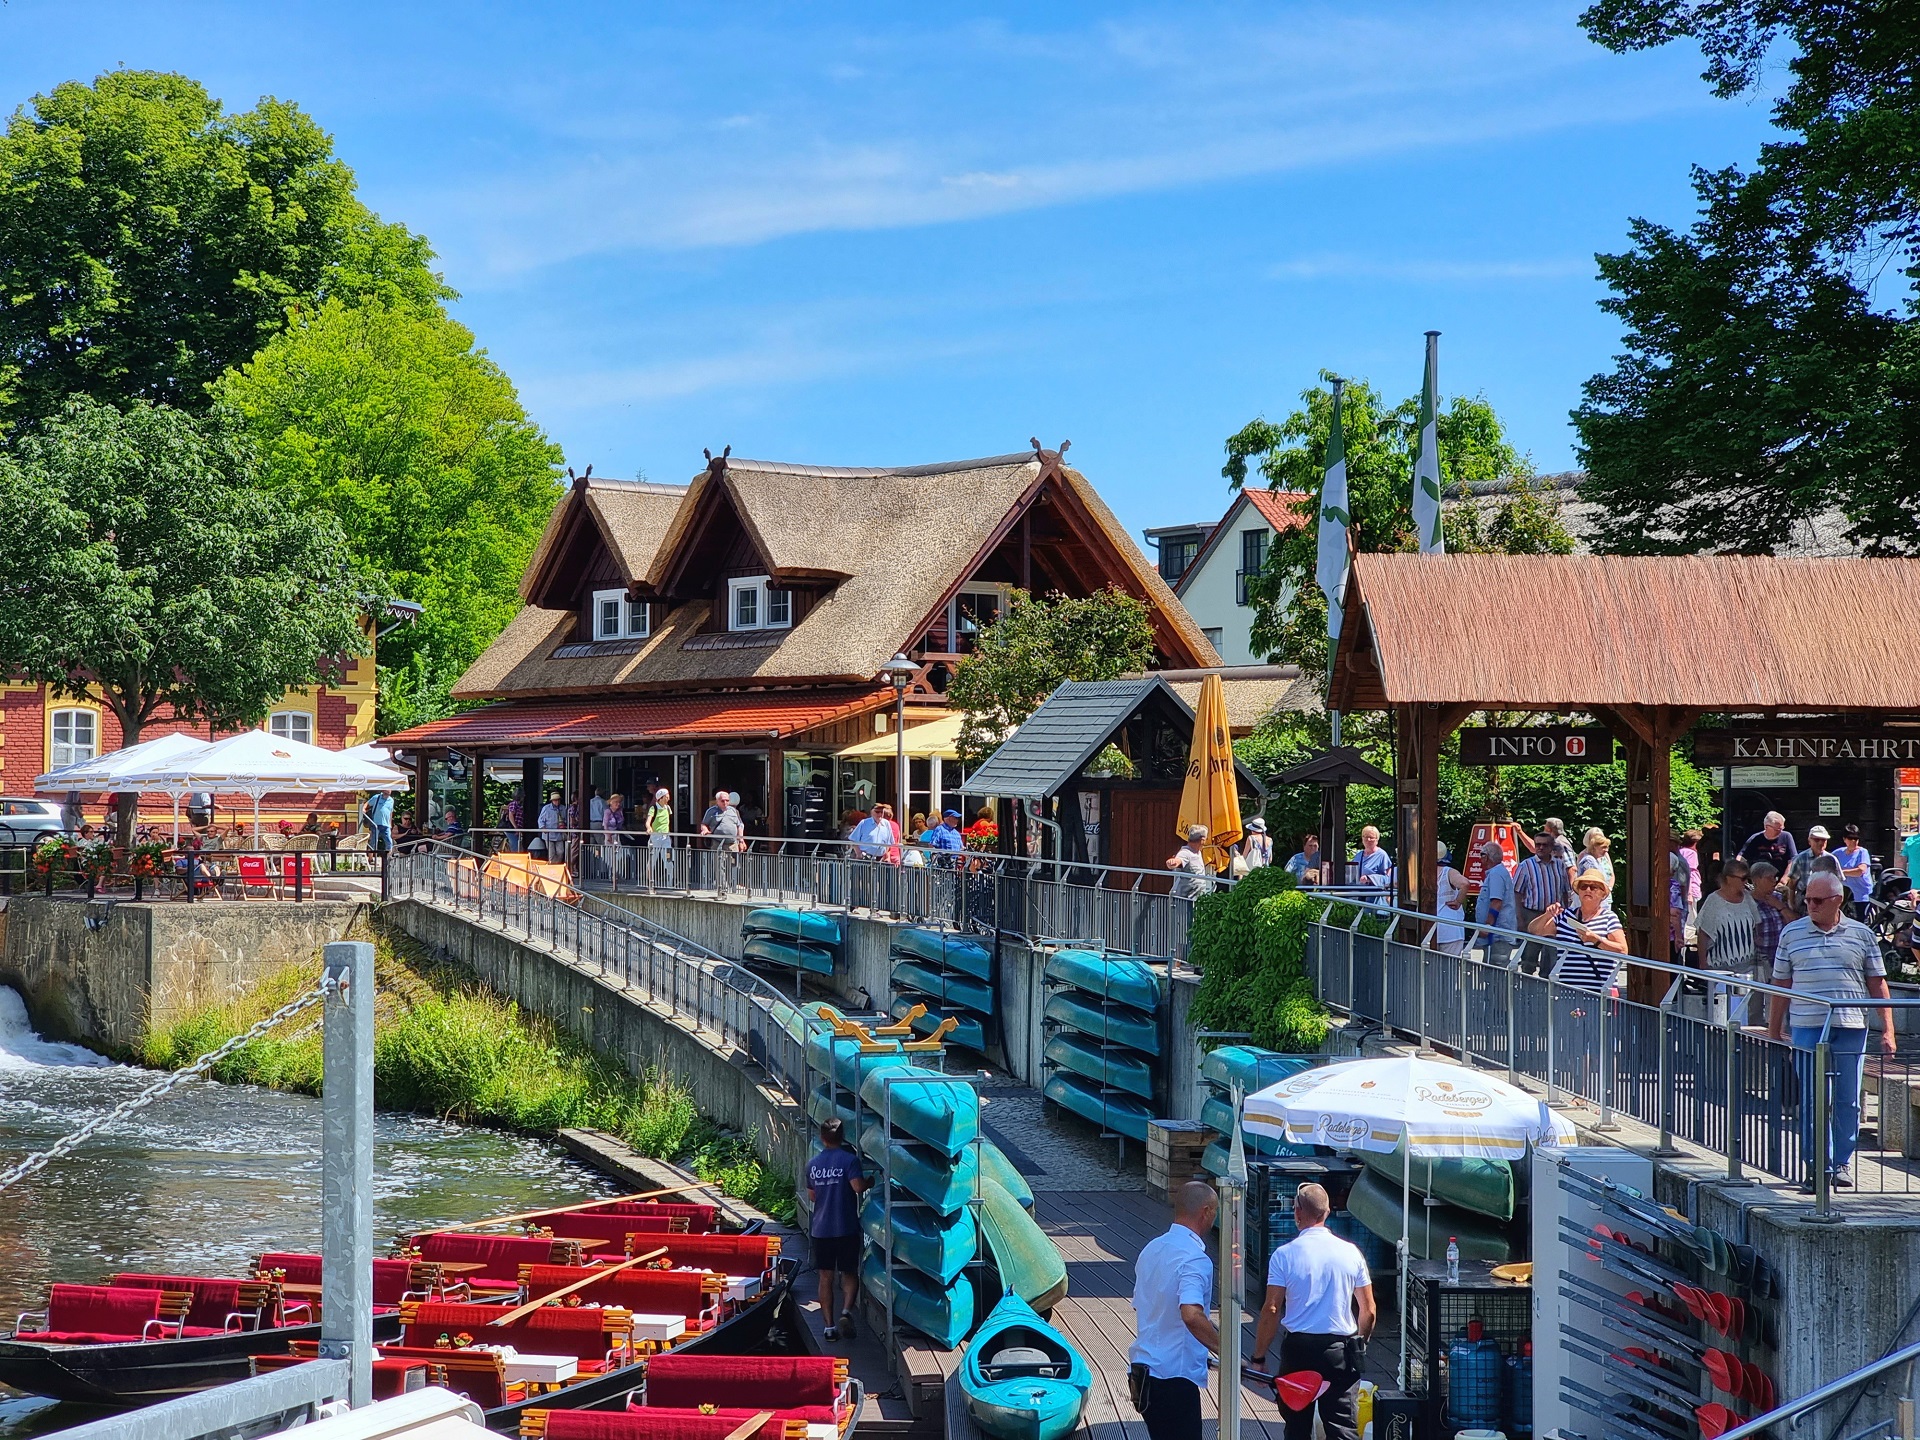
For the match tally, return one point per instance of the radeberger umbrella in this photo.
(1210, 797)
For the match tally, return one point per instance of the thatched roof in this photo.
(1565, 632)
(1252, 698)
(628, 516)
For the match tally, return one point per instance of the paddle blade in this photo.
(1299, 1389)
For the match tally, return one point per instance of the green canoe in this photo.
(1483, 1186)
(995, 1165)
(1026, 1259)
(810, 925)
(945, 948)
(1114, 1065)
(1376, 1204)
(918, 977)
(1122, 1024)
(940, 1112)
(1250, 1067)
(967, 1029)
(840, 1057)
(1120, 1113)
(767, 950)
(1022, 1380)
(1219, 1114)
(938, 1245)
(1110, 977)
(944, 1182)
(943, 1313)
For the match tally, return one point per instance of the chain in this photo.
(67, 1144)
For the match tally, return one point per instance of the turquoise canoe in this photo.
(945, 948)
(809, 925)
(967, 1029)
(824, 1105)
(943, 1313)
(840, 1057)
(1218, 1113)
(995, 1166)
(1111, 1064)
(1122, 1024)
(1022, 1380)
(1250, 1067)
(944, 1182)
(918, 977)
(1122, 1114)
(1483, 1186)
(938, 1245)
(1108, 976)
(940, 1112)
(767, 950)
(1375, 1203)
(1021, 1253)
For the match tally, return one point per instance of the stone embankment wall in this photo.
(105, 973)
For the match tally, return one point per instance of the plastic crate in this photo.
(1437, 1314)
(1269, 1214)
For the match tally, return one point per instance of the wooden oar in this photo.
(590, 1204)
(747, 1427)
(547, 1299)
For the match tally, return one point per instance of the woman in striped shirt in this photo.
(1593, 924)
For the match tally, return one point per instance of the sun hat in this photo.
(1258, 825)
(1591, 877)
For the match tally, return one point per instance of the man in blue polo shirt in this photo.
(834, 1183)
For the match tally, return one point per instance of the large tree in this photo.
(139, 561)
(149, 240)
(1772, 365)
(1290, 613)
(388, 417)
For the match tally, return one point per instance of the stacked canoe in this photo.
(948, 973)
(1247, 1068)
(806, 940)
(1103, 1050)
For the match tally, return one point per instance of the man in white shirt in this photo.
(1318, 1286)
(1173, 1333)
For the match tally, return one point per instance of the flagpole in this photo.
(1332, 569)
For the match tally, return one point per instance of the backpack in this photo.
(727, 826)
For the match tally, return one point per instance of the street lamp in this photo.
(900, 672)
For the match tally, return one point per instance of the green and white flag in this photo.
(1426, 458)
(1330, 568)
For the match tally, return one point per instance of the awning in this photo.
(937, 737)
(534, 726)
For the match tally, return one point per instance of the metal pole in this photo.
(1553, 1095)
(1733, 1094)
(1665, 1097)
(1233, 1189)
(1512, 1022)
(1606, 1067)
(1822, 1138)
(346, 1165)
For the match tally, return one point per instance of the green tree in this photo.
(388, 417)
(1290, 613)
(148, 240)
(139, 560)
(1771, 369)
(1025, 655)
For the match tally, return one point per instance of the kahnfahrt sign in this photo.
(1536, 745)
(1808, 747)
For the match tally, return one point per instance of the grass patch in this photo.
(445, 1045)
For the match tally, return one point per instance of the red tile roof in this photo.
(1282, 509)
(766, 714)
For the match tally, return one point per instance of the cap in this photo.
(1852, 832)
(949, 814)
(661, 795)
(1819, 832)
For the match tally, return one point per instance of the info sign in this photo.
(1536, 745)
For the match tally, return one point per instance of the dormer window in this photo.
(754, 605)
(615, 617)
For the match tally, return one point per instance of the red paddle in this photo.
(1719, 1312)
(1300, 1389)
(1715, 1420)
(1724, 1369)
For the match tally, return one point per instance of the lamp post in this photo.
(900, 672)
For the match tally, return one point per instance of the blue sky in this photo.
(853, 234)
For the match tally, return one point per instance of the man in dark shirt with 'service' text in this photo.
(834, 1183)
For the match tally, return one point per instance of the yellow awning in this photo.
(937, 737)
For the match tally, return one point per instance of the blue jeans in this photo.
(382, 839)
(1849, 1050)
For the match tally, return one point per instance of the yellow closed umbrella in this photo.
(1210, 797)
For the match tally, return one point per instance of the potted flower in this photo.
(53, 857)
(982, 835)
(92, 864)
(145, 862)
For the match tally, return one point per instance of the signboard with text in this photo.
(1887, 746)
(1536, 745)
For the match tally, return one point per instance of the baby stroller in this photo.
(1890, 915)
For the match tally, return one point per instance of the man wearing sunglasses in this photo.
(1831, 959)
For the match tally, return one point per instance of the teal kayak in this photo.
(1122, 1024)
(1110, 977)
(1483, 1186)
(938, 1245)
(967, 1029)
(1112, 1064)
(766, 950)
(1249, 1067)
(1122, 1114)
(1022, 1380)
(822, 1106)
(1021, 1253)
(994, 1165)
(944, 1182)
(941, 1112)
(1218, 1113)
(918, 977)
(840, 1057)
(1375, 1203)
(945, 948)
(811, 925)
(943, 1313)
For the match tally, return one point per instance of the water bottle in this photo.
(1453, 1260)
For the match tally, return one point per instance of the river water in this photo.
(209, 1176)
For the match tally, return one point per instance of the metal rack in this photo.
(1163, 1019)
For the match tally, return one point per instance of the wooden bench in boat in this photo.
(502, 1255)
(701, 1217)
(694, 1294)
(394, 1281)
(106, 1315)
(613, 1228)
(651, 1425)
(220, 1305)
(391, 1377)
(813, 1389)
(729, 1254)
(600, 1336)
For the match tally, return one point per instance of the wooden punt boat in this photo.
(1022, 1380)
(801, 1397)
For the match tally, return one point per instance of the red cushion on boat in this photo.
(757, 1382)
(646, 1292)
(651, 1424)
(479, 1378)
(808, 1414)
(301, 1268)
(75, 1337)
(699, 1218)
(555, 1330)
(119, 1310)
(213, 1299)
(390, 1376)
(729, 1254)
(503, 1255)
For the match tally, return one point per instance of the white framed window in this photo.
(970, 612)
(617, 618)
(752, 604)
(291, 725)
(75, 736)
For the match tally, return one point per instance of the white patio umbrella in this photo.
(110, 772)
(371, 753)
(1438, 1110)
(256, 763)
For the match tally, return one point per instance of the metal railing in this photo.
(1720, 1084)
(1881, 1389)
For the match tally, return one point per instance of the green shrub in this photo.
(1254, 981)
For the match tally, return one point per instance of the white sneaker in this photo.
(1843, 1177)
